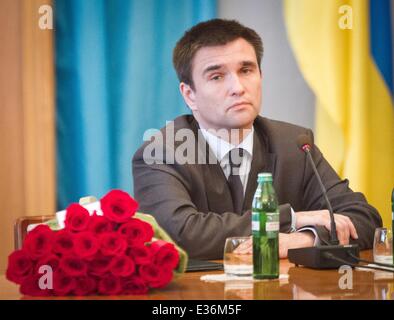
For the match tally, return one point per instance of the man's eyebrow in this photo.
(212, 68)
(249, 64)
(246, 63)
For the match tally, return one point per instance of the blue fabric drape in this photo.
(381, 39)
(114, 80)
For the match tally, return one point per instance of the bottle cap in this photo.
(264, 176)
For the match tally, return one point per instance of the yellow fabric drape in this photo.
(354, 111)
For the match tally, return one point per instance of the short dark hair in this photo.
(206, 34)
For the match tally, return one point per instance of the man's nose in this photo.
(236, 86)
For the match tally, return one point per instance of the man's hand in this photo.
(293, 241)
(286, 241)
(345, 227)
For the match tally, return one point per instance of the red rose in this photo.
(30, 286)
(73, 266)
(155, 276)
(112, 244)
(63, 284)
(86, 244)
(118, 206)
(85, 286)
(20, 266)
(134, 285)
(77, 218)
(165, 254)
(39, 241)
(109, 285)
(122, 266)
(100, 265)
(51, 260)
(164, 279)
(136, 231)
(140, 254)
(100, 224)
(64, 243)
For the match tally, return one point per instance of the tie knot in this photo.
(235, 157)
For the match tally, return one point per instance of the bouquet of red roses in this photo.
(111, 254)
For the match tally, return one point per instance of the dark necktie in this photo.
(234, 180)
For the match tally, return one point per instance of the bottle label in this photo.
(256, 221)
(272, 226)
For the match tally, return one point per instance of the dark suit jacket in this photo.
(193, 201)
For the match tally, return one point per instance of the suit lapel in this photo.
(262, 161)
(216, 187)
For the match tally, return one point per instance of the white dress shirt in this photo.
(221, 149)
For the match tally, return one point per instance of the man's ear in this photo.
(188, 95)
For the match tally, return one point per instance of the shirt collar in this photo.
(221, 147)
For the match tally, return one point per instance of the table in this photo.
(301, 283)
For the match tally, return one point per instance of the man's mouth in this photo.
(238, 105)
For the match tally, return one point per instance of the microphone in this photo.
(329, 256)
(304, 142)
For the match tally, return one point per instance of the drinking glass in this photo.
(383, 246)
(234, 262)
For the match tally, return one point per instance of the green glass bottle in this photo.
(265, 229)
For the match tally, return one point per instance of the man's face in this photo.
(227, 86)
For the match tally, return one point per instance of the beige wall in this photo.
(27, 134)
(281, 72)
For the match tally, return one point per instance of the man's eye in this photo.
(246, 70)
(216, 77)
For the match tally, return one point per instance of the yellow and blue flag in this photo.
(344, 50)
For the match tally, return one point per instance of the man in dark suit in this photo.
(197, 176)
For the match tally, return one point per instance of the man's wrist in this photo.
(306, 238)
(311, 232)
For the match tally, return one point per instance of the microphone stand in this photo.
(323, 257)
(333, 234)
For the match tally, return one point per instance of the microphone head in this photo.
(304, 142)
